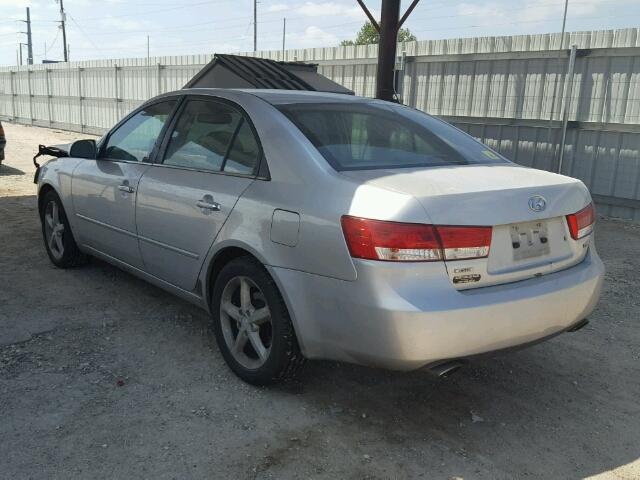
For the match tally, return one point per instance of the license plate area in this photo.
(529, 240)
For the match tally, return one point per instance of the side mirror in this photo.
(83, 149)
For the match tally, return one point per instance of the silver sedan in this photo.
(315, 225)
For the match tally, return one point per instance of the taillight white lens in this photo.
(461, 243)
(413, 242)
(581, 223)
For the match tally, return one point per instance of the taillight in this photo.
(461, 243)
(413, 242)
(581, 223)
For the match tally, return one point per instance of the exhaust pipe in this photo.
(446, 369)
(581, 324)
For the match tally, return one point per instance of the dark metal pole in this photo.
(284, 33)
(64, 32)
(255, 25)
(29, 42)
(389, 21)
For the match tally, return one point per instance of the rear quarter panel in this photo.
(302, 181)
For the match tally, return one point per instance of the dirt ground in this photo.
(105, 376)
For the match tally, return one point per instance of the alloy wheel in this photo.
(54, 229)
(246, 323)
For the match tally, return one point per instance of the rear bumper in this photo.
(405, 316)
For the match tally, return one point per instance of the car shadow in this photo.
(6, 170)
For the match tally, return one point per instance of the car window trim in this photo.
(154, 151)
(261, 172)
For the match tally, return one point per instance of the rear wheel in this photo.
(56, 232)
(252, 325)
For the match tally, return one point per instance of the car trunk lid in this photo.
(525, 207)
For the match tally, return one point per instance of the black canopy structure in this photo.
(235, 71)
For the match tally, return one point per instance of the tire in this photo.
(237, 315)
(56, 233)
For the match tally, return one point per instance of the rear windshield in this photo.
(368, 136)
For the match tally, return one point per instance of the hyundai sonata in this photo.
(327, 226)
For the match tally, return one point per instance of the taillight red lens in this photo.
(413, 242)
(581, 223)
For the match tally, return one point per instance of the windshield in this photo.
(367, 136)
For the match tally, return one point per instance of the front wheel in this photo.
(56, 232)
(252, 325)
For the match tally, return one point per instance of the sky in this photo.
(119, 28)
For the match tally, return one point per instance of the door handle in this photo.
(208, 204)
(126, 188)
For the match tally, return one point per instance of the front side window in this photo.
(212, 136)
(371, 136)
(134, 139)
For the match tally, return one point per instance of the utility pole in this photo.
(561, 54)
(63, 19)
(284, 32)
(29, 43)
(390, 24)
(255, 25)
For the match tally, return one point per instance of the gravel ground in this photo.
(105, 376)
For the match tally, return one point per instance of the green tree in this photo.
(368, 34)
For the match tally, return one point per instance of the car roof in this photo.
(280, 97)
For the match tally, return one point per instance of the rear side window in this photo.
(212, 136)
(134, 140)
(244, 153)
(371, 136)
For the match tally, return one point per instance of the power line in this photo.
(83, 33)
(271, 34)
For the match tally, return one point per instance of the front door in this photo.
(104, 190)
(211, 157)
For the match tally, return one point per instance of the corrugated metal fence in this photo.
(499, 89)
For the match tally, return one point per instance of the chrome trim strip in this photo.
(211, 172)
(186, 253)
(106, 225)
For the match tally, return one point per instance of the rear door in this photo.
(210, 156)
(104, 190)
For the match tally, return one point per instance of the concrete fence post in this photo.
(80, 99)
(116, 96)
(49, 96)
(13, 95)
(159, 79)
(30, 96)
